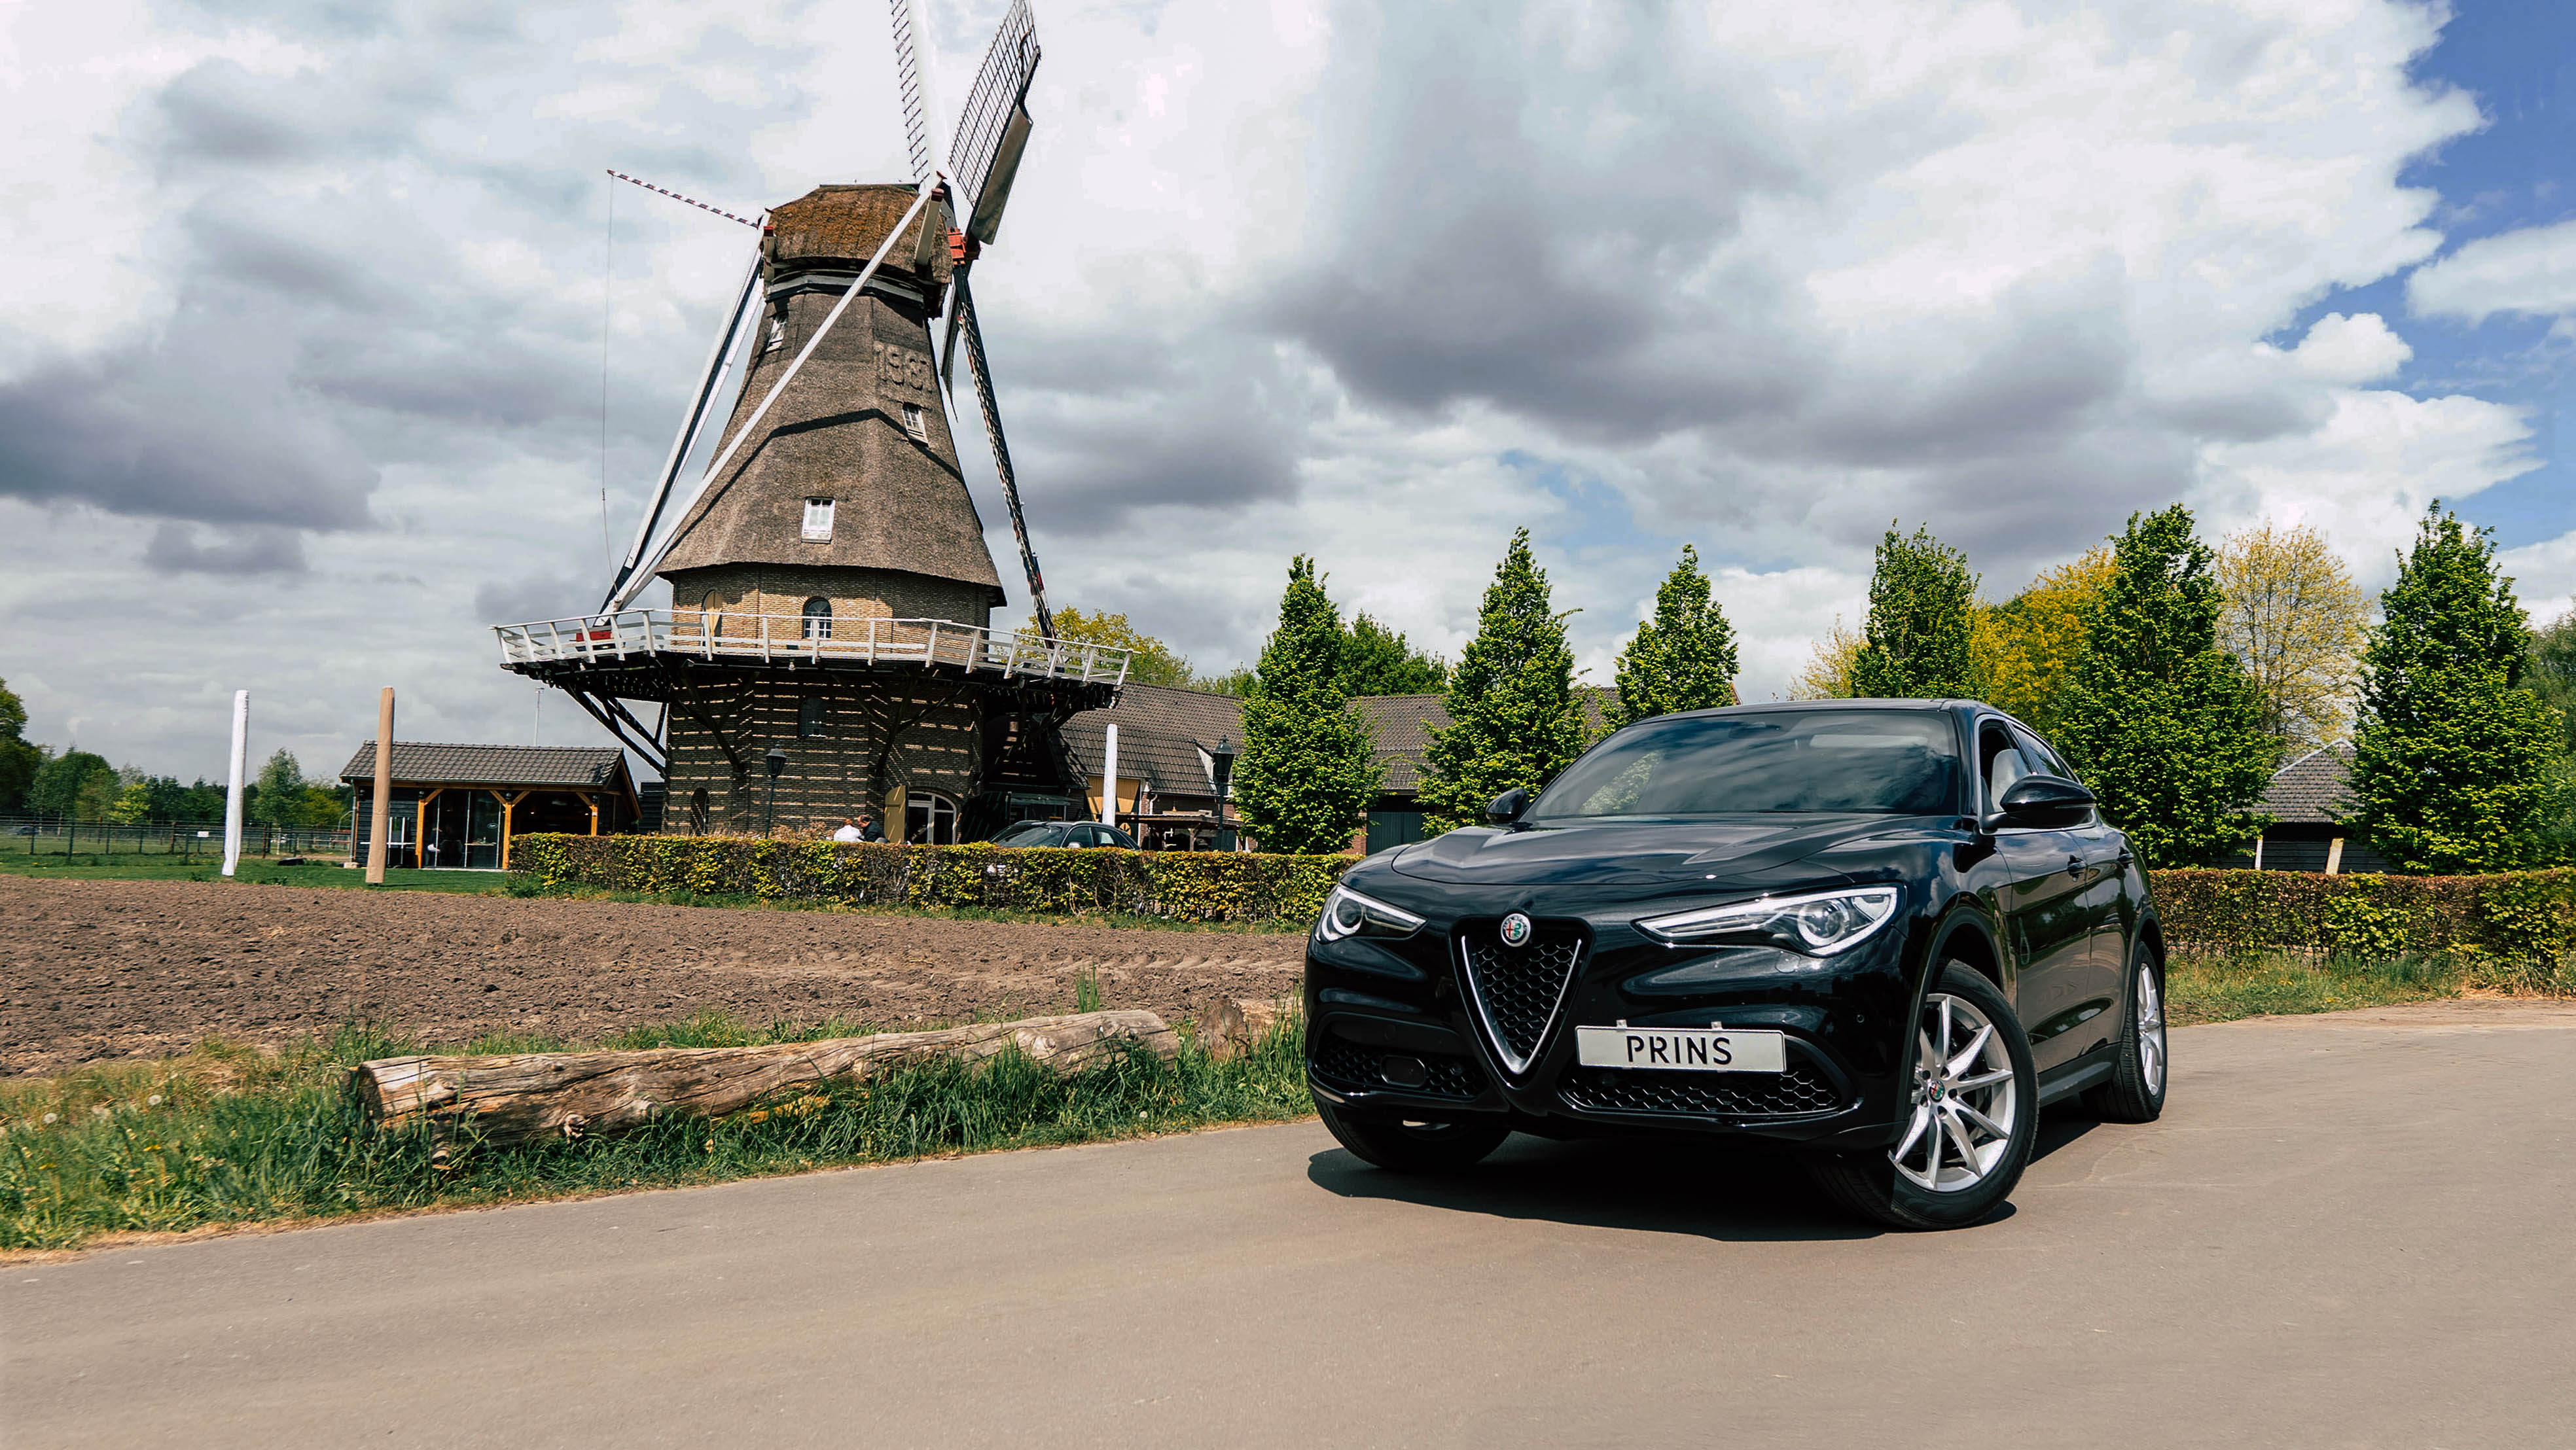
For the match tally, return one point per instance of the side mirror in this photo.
(1508, 806)
(2045, 800)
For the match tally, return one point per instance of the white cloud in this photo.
(2544, 576)
(2367, 475)
(2530, 271)
(2357, 349)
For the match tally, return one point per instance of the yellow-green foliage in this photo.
(1180, 885)
(2509, 929)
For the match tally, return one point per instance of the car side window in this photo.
(2000, 762)
(2041, 758)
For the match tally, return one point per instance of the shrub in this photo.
(2514, 927)
(1179, 885)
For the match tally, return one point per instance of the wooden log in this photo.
(1229, 1026)
(523, 1096)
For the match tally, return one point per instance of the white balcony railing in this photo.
(788, 638)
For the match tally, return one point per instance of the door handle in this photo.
(2074, 865)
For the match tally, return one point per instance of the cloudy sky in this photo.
(322, 332)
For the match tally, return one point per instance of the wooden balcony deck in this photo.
(789, 639)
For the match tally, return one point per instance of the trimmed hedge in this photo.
(2523, 918)
(1179, 885)
(2516, 918)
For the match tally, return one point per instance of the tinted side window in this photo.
(2041, 757)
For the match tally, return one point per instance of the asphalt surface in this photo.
(2346, 1231)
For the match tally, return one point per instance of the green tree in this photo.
(76, 783)
(277, 796)
(1920, 639)
(2553, 678)
(1515, 719)
(1151, 662)
(2454, 758)
(1378, 661)
(2552, 674)
(19, 759)
(2030, 641)
(1307, 770)
(1683, 658)
(2164, 724)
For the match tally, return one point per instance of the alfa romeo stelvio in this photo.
(1882, 933)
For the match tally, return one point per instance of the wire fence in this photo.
(54, 836)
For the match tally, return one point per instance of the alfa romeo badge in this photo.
(1516, 930)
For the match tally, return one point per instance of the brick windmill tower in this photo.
(828, 648)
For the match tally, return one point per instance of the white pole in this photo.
(233, 796)
(1109, 782)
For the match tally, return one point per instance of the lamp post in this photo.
(777, 767)
(1223, 756)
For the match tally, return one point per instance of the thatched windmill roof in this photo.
(840, 431)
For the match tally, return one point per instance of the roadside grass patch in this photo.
(253, 871)
(228, 1135)
(2223, 986)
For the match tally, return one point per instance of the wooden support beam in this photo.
(518, 1097)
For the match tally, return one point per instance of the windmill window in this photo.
(818, 521)
(777, 333)
(818, 619)
(809, 716)
(915, 422)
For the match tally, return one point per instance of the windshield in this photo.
(1886, 762)
(1028, 833)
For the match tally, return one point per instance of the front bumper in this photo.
(1395, 1031)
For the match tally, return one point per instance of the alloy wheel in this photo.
(2151, 1030)
(1965, 1102)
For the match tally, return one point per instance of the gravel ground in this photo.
(105, 969)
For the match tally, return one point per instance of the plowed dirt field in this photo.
(104, 969)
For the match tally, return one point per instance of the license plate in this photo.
(1682, 1049)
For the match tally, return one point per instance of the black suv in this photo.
(1883, 932)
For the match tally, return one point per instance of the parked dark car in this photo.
(1882, 933)
(1064, 833)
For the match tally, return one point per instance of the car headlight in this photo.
(1819, 924)
(1349, 914)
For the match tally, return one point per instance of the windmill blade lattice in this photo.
(964, 302)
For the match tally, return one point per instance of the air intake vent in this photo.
(1518, 990)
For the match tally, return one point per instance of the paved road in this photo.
(2348, 1231)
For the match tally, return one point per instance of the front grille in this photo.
(1802, 1089)
(1352, 1067)
(1518, 989)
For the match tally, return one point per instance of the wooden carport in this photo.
(527, 786)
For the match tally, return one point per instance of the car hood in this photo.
(1636, 851)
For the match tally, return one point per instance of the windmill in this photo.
(831, 591)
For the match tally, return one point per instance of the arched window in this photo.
(809, 716)
(929, 819)
(818, 618)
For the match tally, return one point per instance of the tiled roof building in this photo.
(2303, 800)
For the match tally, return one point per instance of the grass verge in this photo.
(2221, 987)
(227, 1135)
(153, 866)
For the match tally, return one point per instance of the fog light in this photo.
(1406, 1072)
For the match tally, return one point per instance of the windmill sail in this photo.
(993, 130)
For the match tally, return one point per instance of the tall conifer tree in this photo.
(2454, 755)
(1515, 719)
(1683, 658)
(1307, 769)
(1920, 639)
(2165, 726)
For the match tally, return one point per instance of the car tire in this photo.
(1974, 1085)
(2136, 1090)
(1414, 1147)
